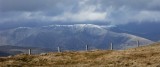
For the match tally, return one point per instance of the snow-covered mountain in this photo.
(70, 37)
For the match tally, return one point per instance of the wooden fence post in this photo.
(58, 48)
(86, 47)
(111, 46)
(29, 51)
(138, 43)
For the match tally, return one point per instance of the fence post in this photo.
(86, 47)
(29, 51)
(137, 43)
(111, 46)
(58, 48)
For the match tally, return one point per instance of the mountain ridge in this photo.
(67, 36)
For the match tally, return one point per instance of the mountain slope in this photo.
(147, 30)
(8, 50)
(146, 56)
(69, 37)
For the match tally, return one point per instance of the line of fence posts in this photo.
(86, 48)
(138, 43)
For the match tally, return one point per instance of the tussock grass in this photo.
(146, 56)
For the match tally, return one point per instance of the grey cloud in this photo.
(154, 5)
(33, 5)
(79, 11)
(21, 5)
(133, 4)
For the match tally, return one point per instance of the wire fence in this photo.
(86, 48)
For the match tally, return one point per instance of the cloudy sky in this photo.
(79, 11)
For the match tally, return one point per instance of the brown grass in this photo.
(146, 56)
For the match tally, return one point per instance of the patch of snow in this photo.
(23, 28)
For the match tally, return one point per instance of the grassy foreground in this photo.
(146, 56)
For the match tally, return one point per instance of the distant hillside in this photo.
(147, 30)
(146, 56)
(70, 37)
(8, 50)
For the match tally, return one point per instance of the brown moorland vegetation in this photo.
(145, 56)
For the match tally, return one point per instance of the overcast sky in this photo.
(80, 11)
